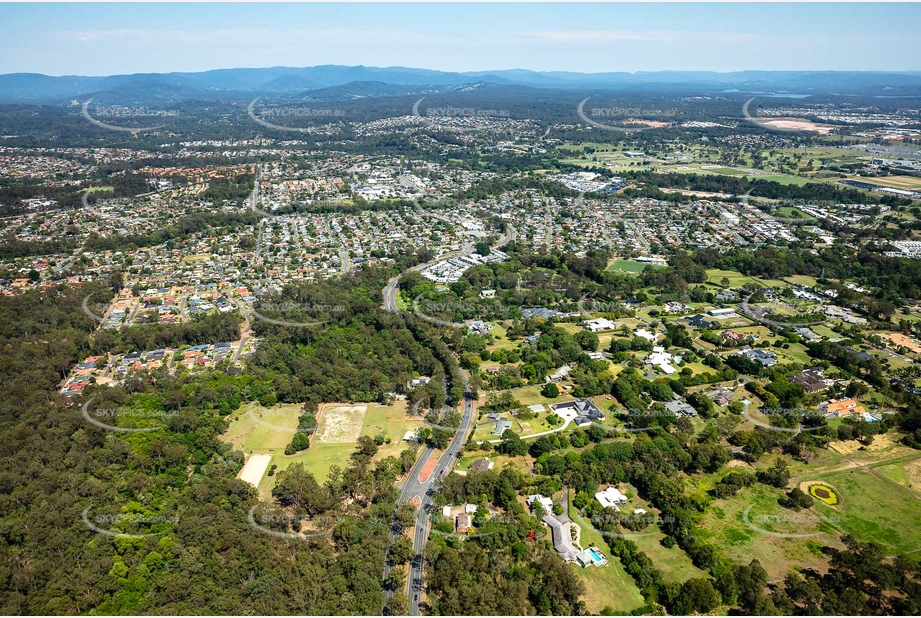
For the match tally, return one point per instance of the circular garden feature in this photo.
(824, 493)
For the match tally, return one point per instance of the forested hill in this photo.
(176, 484)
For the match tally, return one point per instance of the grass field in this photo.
(609, 585)
(630, 266)
(896, 182)
(255, 429)
(873, 509)
(674, 563)
(723, 526)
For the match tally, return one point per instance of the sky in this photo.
(109, 39)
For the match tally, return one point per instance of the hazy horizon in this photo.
(109, 39)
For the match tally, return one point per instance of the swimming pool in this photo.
(595, 555)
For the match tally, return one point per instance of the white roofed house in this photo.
(544, 501)
(599, 324)
(661, 359)
(610, 498)
(560, 374)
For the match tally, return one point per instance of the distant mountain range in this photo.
(332, 81)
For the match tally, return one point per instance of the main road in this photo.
(416, 488)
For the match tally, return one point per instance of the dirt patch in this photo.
(339, 424)
(738, 463)
(254, 468)
(852, 447)
(913, 469)
(799, 124)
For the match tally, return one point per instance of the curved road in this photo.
(391, 290)
(414, 487)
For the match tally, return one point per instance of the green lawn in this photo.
(608, 585)
(724, 527)
(630, 266)
(254, 428)
(319, 459)
(873, 509)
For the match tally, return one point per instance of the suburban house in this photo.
(768, 359)
(722, 313)
(645, 334)
(418, 382)
(721, 396)
(479, 327)
(731, 335)
(501, 426)
(487, 293)
(676, 307)
(841, 407)
(806, 333)
(680, 408)
(544, 501)
(727, 296)
(538, 312)
(599, 324)
(610, 498)
(482, 465)
(700, 321)
(463, 522)
(811, 379)
(562, 538)
(587, 411)
(560, 374)
(661, 359)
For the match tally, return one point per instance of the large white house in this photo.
(610, 498)
(599, 324)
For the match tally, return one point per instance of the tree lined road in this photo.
(414, 487)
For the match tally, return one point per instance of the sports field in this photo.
(267, 431)
(910, 183)
(339, 423)
(255, 468)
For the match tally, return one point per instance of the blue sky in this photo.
(105, 39)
